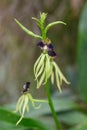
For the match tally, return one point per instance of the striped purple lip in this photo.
(26, 87)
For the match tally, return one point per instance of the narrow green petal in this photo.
(48, 67)
(25, 104)
(52, 77)
(18, 103)
(21, 105)
(32, 101)
(37, 100)
(41, 62)
(40, 71)
(41, 80)
(19, 120)
(36, 107)
(27, 31)
(52, 24)
(37, 61)
(60, 73)
(57, 80)
(27, 108)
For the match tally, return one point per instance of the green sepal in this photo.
(41, 62)
(41, 80)
(28, 31)
(37, 62)
(48, 67)
(52, 77)
(40, 71)
(52, 24)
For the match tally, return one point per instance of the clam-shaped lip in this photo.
(51, 53)
(26, 87)
(40, 44)
(50, 46)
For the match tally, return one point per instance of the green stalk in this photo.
(58, 127)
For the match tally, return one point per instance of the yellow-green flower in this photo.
(45, 67)
(23, 102)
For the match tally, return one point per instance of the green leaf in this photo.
(8, 126)
(73, 118)
(52, 24)
(82, 54)
(28, 31)
(12, 118)
(80, 127)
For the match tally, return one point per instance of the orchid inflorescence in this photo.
(45, 67)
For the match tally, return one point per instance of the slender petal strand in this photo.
(52, 77)
(39, 65)
(48, 67)
(36, 63)
(41, 81)
(59, 75)
(57, 80)
(40, 71)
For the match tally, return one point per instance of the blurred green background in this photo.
(18, 51)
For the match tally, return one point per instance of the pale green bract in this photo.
(28, 31)
(44, 68)
(41, 23)
(23, 104)
(52, 24)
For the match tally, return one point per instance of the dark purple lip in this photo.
(52, 53)
(26, 87)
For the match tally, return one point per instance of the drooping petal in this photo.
(52, 77)
(57, 81)
(41, 62)
(18, 103)
(59, 75)
(33, 102)
(37, 61)
(40, 71)
(41, 80)
(48, 67)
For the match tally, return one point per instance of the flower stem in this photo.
(58, 127)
